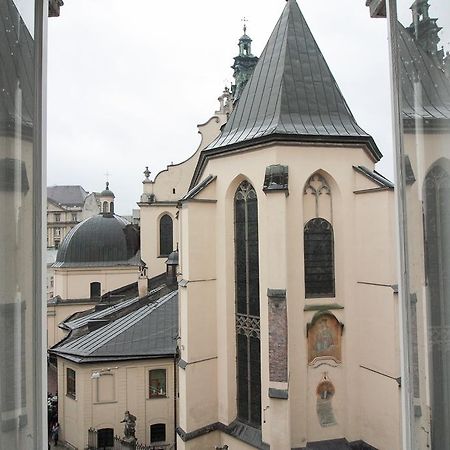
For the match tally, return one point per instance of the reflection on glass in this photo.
(18, 295)
(424, 181)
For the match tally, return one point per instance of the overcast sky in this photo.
(129, 81)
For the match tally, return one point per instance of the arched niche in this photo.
(324, 334)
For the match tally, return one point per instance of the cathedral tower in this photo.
(244, 64)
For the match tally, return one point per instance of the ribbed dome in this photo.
(102, 240)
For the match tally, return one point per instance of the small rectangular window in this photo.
(71, 383)
(157, 433)
(74, 217)
(157, 383)
(57, 217)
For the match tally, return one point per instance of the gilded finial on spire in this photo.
(107, 185)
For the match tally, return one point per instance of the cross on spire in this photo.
(245, 20)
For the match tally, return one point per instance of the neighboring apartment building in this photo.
(67, 206)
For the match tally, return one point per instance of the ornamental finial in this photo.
(245, 20)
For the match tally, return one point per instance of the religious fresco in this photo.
(324, 339)
(325, 393)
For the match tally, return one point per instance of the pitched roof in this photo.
(67, 195)
(147, 332)
(417, 66)
(292, 93)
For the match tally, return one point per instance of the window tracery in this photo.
(248, 347)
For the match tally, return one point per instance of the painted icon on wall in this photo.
(324, 338)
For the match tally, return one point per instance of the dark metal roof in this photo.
(99, 241)
(16, 70)
(147, 332)
(67, 195)
(292, 92)
(79, 322)
(418, 68)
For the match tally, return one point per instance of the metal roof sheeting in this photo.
(102, 240)
(149, 331)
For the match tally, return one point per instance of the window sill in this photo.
(72, 397)
(157, 397)
(110, 402)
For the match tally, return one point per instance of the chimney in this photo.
(142, 282)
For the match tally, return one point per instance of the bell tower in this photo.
(244, 64)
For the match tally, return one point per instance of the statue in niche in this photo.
(325, 393)
(324, 338)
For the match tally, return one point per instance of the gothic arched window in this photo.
(319, 258)
(165, 235)
(437, 250)
(248, 347)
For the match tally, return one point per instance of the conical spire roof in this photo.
(292, 95)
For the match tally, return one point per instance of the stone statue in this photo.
(130, 425)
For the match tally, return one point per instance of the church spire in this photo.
(292, 94)
(244, 63)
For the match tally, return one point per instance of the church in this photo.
(288, 305)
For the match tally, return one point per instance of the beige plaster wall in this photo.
(168, 187)
(150, 250)
(75, 283)
(127, 390)
(364, 252)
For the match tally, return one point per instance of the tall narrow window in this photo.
(165, 235)
(71, 383)
(437, 237)
(319, 258)
(248, 348)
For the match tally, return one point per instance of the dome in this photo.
(100, 241)
(107, 192)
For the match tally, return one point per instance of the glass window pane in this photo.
(20, 241)
(420, 34)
